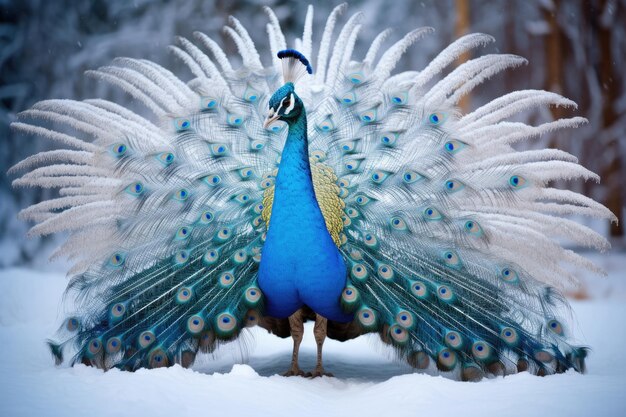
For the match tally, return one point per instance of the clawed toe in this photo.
(318, 373)
(296, 372)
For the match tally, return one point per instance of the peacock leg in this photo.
(296, 325)
(321, 325)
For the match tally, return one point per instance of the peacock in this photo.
(352, 196)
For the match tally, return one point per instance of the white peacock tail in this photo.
(449, 233)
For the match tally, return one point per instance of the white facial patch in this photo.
(292, 104)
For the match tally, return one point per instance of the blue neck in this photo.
(300, 263)
(294, 195)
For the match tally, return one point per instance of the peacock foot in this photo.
(295, 371)
(319, 371)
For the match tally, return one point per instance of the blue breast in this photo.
(300, 263)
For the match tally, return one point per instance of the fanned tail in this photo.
(449, 232)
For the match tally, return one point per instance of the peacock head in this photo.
(285, 104)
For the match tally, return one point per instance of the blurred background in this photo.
(576, 48)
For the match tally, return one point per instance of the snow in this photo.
(368, 381)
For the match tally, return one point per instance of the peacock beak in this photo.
(271, 117)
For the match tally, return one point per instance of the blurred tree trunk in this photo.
(462, 27)
(554, 55)
(614, 173)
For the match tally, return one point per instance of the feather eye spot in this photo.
(251, 95)
(431, 213)
(226, 279)
(367, 318)
(218, 150)
(509, 275)
(181, 257)
(556, 327)
(245, 173)
(348, 98)
(212, 180)
(544, 356)
(473, 228)
(369, 116)
(135, 189)
(266, 183)
(405, 319)
(240, 256)
(234, 120)
(510, 336)
(145, 339)
(195, 325)
(72, 324)
(253, 296)
(356, 77)
(119, 149)
(385, 272)
(352, 213)
(401, 97)
(183, 295)
(399, 334)
(319, 155)
(181, 195)
(388, 139)
(94, 347)
(379, 176)
(166, 158)
(453, 146)
(206, 217)
(226, 324)
(114, 344)
(276, 126)
(446, 359)
(181, 124)
(453, 186)
(252, 318)
(453, 339)
(223, 234)
(350, 294)
(481, 350)
(117, 311)
(326, 125)
(183, 233)
(436, 119)
(445, 293)
(211, 256)
(243, 198)
(157, 358)
(117, 259)
(410, 177)
(419, 290)
(370, 240)
(208, 103)
(398, 223)
(361, 200)
(451, 258)
(359, 272)
(517, 182)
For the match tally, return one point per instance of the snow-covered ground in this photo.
(368, 381)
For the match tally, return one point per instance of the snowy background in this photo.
(577, 48)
